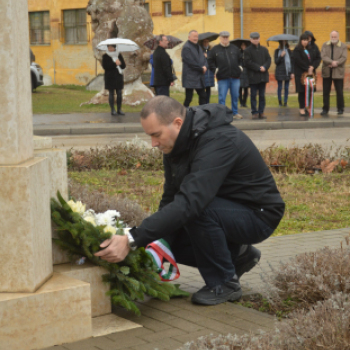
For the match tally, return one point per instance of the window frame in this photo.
(288, 10)
(75, 26)
(41, 29)
(187, 4)
(208, 4)
(167, 5)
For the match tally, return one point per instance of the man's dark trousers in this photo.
(327, 86)
(202, 96)
(212, 241)
(254, 89)
(162, 90)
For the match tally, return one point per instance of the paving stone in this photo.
(56, 347)
(195, 335)
(169, 344)
(169, 333)
(137, 332)
(80, 345)
(184, 325)
(152, 324)
(122, 343)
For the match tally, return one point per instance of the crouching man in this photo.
(219, 197)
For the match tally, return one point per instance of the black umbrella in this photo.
(238, 42)
(153, 43)
(287, 37)
(208, 35)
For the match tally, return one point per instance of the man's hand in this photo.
(292, 76)
(334, 64)
(118, 63)
(262, 69)
(283, 53)
(311, 69)
(172, 83)
(117, 249)
(204, 69)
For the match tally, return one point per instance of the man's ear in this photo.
(178, 123)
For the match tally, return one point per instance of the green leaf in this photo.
(125, 270)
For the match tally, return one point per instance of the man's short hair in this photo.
(160, 38)
(165, 108)
(192, 31)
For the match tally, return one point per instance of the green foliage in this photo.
(130, 279)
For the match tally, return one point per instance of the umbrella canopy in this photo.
(124, 45)
(238, 42)
(208, 35)
(153, 43)
(278, 37)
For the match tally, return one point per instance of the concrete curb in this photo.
(127, 128)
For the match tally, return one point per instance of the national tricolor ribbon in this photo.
(160, 251)
(309, 94)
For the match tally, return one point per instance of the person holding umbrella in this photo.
(284, 70)
(163, 71)
(209, 75)
(113, 64)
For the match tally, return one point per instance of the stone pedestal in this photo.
(25, 251)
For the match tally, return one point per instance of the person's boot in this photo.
(248, 258)
(119, 103)
(113, 111)
(120, 112)
(229, 291)
(280, 103)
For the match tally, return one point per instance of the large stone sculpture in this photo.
(129, 20)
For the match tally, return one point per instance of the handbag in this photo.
(305, 75)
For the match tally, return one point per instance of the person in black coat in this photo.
(219, 196)
(284, 70)
(244, 86)
(304, 61)
(315, 51)
(113, 63)
(257, 61)
(163, 70)
(194, 66)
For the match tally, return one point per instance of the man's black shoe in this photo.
(248, 258)
(229, 291)
(340, 112)
(113, 112)
(324, 113)
(120, 112)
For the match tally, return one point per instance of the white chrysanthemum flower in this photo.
(105, 220)
(77, 207)
(110, 229)
(112, 213)
(91, 220)
(89, 213)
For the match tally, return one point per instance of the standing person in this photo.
(219, 197)
(244, 86)
(209, 75)
(194, 66)
(258, 61)
(113, 64)
(315, 51)
(163, 70)
(226, 58)
(303, 62)
(334, 54)
(284, 70)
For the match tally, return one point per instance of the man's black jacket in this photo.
(256, 56)
(227, 60)
(211, 158)
(163, 72)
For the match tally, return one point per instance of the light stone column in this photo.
(25, 232)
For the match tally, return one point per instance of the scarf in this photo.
(286, 60)
(114, 56)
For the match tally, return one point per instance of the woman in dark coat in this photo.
(209, 74)
(243, 89)
(284, 70)
(303, 62)
(113, 63)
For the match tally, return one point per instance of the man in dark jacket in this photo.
(219, 196)
(257, 61)
(226, 58)
(194, 66)
(163, 72)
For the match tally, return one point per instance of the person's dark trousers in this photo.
(208, 93)
(212, 241)
(254, 90)
(119, 99)
(286, 90)
(339, 87)
(301, 100)
(162, 90)
(243, 95)
(202, 97)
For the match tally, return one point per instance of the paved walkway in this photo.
(168, 325)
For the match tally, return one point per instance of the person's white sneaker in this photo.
(237, 116)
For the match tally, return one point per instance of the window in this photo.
(188, 8)
(146, 6)
(75, 26)
(347, 20)
(211, 7)
(293, 17)
(39, 28)
(167, 9)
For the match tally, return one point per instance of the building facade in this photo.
(60, 31)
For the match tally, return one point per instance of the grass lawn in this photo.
(313, 203)
(58, 99)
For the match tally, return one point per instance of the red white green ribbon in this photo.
(160, 251)
(309, 94)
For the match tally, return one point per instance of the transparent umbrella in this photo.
(124, 45)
